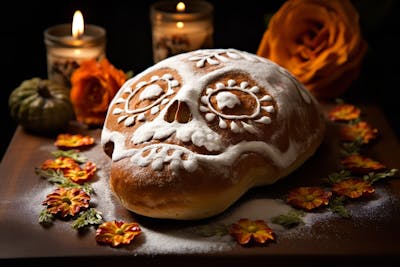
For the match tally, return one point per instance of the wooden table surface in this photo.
(372, 237)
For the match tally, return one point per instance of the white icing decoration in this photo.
(234, 127)
(255, 89)
(281, 89)
(141, 117)
(250, 128)
(227, 99)
(117, 111)
(269, 109)
(265, 120)
(204, 109)
(266, 98)
(130, 121)
(150, 92)
(222, 124)
(154, 110)
(210, 116)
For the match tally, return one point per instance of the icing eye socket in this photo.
(237, 107)
(144, 99)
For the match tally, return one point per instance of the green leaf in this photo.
(289, 220)
(73, 154)
(336, 205)
(129, 74)
(87, 218)
(208, 230)
(350, 148)
(374, 177)
(45, 217)
(336, 177)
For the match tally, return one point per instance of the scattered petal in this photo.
(353, 188)
(359, 164)
(360, 131)
(308, 198)
(116, 233)
(344, 112)
(66, 201)
(73, 140)
(246, 230)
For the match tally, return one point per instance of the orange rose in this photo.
(93, 86)
(319, 42)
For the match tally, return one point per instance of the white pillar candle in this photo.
(178, 28)
(65, 52)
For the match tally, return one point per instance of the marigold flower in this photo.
(353, 188)
(344, 112)
(66, 201)
(246, 230)
(79, 175)
(94, 84)
(59, 163)
(73, 140)
(116, 233)
(320, 42)
(308, 198)
(360, 131)
(359, 164)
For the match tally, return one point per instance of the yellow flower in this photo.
(308, 198)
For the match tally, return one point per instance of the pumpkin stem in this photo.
(43, 90)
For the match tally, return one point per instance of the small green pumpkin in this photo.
(41, 105)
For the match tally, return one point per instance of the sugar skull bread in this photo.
(190, 135)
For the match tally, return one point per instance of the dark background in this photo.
(237, 24)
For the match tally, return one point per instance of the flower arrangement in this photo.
(319, 41)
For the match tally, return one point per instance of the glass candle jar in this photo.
(178, 27)
(65, 52)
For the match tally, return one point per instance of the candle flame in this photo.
(77, 24)
(180, 7)
(180, 24)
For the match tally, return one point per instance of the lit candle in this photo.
(67, 45)
(178, 28)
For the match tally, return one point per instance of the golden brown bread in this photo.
(191, 134)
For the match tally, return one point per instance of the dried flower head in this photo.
(344, 112)
(246, 230)
(79, 175)
(359, 164)
(59, 163)
(353, 188)
(116, 233)
(73, 140)
(67, 201)
(360, 131)
(308, 198)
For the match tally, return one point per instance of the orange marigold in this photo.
(359, 164)
(353, 188)
(94, 84)
(360, 131)
(66, 201)
(308, 198)
(344, 112)
(116, 233)
(59, 163)
(246, 230)
(79, 175)
(73, 140)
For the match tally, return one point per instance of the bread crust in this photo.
(167, 176)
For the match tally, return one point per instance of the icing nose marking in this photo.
(178, 111)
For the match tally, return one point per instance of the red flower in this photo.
(116, 233)
(246, 230)
(308, 197)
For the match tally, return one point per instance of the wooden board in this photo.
(371, 236)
